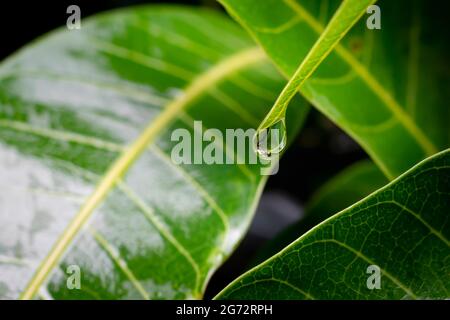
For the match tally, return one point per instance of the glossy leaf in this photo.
(348, 13)
(349, 186)
(386, 88)
(86, 175)
(403, 229)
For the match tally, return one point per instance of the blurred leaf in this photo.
(348, 13)
(86, 118)
(403, 229)
(351, 185)
(388, 88)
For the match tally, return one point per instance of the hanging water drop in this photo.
(271, 140)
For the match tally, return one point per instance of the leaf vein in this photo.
(372, 83)
(114, 254)
(163, 230)
(239, 60)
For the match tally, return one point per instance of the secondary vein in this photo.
(114, 255)
(372, 83)
(200, 84)
(60, 135)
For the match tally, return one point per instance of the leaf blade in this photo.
(348, 11)
(77, 106)
(368, 66)
(128, 157)
(414, 265)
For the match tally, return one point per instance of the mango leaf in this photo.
(92, 205)
(386, 88)
(347, 187)
(349, 12)
(394, 244)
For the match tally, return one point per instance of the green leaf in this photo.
(87, 179)
(403, 228)
(386, 88)
(349, 12)
(349, 186)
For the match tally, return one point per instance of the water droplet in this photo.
(271, 140)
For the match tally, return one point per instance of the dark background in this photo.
(319, 152)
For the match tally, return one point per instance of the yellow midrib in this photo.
(199, 85)
(376, 87)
